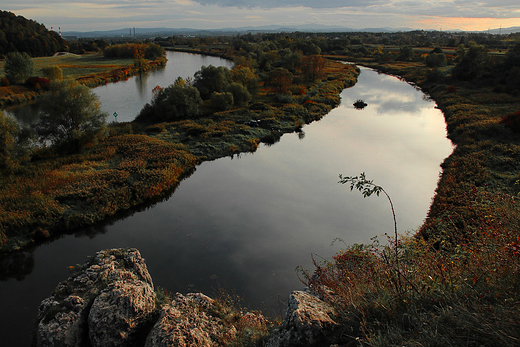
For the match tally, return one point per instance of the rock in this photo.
(308, 322)
(119, 311)
(190, 320)
(106, 297)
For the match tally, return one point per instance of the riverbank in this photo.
(455, 282)
(91, 69)
(139, 163)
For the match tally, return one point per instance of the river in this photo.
(245, 223)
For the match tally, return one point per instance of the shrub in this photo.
(4, 82)
(37, 83)
(53, 73)
(512, 121)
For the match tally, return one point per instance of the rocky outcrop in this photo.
(102, 304)
(110, 302)
(308, 321)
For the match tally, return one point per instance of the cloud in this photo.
(214, 14)
(291, 3)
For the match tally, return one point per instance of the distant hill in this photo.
(19, 34)
(154, 32)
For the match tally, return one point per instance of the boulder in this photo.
(118, 313)
(308, 321)
(190, 320)
(106, 297)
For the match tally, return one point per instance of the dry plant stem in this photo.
(367, 188)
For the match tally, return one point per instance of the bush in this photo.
(512, 121)
(53, 73)
(37, 83)
(4, 82)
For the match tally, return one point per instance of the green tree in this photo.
(245, 76)
(221, 101)
(406, 53)
(472, 64)
(18, 67)
(70, 116)
(241, 95)
(14, 144)
(178, 101)
(435, 60)
(211, 79)
(153, 51)
(53, 73)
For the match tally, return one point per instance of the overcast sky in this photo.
(215, 14)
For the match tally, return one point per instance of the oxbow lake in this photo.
(246, 223)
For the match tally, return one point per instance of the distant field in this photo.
(74, 66)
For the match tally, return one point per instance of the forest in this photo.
(19, 34)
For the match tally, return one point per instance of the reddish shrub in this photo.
(37, 82)
(512, 121)
(452, 89)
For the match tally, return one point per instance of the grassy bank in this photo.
(456, 281)
(90, 69)
(139, 163)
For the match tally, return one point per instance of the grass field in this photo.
(75, 66)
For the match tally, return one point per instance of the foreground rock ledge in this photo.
(110, 301)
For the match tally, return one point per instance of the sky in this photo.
(216, 14)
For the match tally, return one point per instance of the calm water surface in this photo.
(245, 223)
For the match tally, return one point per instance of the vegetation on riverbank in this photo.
(91, 69)
(140, 162)
(456, 281)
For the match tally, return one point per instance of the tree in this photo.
(281, 79)
(313, 67)
(472, 64)
(406, 53)
(178, 101)
(70, 116)
(153, 51)
(18, 67)
(221, 101)
(435, 60)
(211, 79)
(241, 95)
(14, 144)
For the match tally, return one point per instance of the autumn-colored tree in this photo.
(280, 79)
(313, 67)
